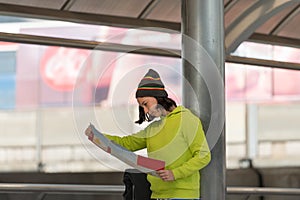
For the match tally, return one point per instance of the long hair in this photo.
(165, 102)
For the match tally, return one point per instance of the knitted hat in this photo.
(151, 86)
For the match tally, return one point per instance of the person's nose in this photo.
(146, 110)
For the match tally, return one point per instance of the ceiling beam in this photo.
(285, 20)
(252, 18)
(84, 18)
(68, 4)
(94, 45)
(145, 12)
(229, 5)
(90, 45)
(263, 62)
(274, 40)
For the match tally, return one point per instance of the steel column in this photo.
(203, 69)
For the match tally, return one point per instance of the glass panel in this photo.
(269, 52)
(38, 84)
(7, 79)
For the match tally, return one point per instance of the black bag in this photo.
(136, 185)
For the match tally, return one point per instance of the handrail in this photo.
(61, 188)
(263, 191)
(119, 189)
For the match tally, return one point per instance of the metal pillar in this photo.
(202, 23)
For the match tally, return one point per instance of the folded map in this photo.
(143, 164)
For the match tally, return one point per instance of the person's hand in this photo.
(166, 175)
(88, 132)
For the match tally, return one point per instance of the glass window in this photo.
(7, 79)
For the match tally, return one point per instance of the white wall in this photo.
(65, 147)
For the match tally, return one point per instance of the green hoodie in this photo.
(179, 140)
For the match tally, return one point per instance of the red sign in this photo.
(61, 67)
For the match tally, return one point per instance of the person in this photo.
(177, 138)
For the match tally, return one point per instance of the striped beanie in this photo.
(151, 86)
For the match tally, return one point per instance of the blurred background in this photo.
(48, 94)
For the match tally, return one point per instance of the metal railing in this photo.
(119, 189)
(62, 188)
(261, 191)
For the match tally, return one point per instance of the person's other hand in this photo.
(88, 132)
(166, 175)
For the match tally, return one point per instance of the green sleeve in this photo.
(199, 149)
(132, 142)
